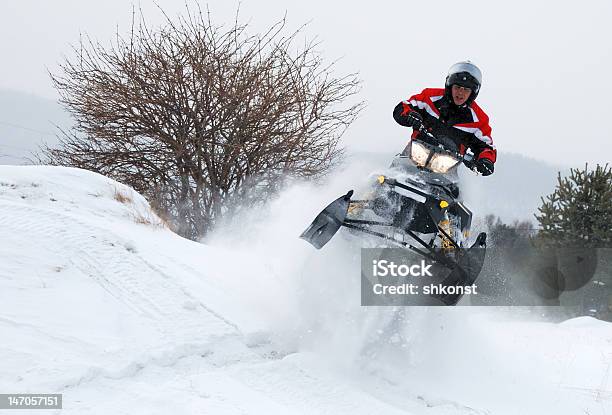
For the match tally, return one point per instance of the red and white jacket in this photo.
(467, 125)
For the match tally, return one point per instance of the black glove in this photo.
(414, 120)
(484, 166)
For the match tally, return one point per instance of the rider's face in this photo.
(460, 94)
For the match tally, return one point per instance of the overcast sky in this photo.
(546, 64)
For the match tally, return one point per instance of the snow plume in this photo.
(309, 298)
(310, 301)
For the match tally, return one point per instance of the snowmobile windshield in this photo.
(423, 156)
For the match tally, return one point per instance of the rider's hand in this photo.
(484, 166)
(414, 120)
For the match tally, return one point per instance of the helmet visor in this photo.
(464, 79)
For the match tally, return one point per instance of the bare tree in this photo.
(197, 116)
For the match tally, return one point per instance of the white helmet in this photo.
(467, 75)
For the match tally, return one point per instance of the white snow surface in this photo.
(99, 301)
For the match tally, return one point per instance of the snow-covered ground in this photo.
(102, 303)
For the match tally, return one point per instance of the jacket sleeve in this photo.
(420, 103)
(484, 148)
(482, 143)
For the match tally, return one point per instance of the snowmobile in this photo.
(419, 209)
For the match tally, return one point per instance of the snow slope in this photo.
(100, 302)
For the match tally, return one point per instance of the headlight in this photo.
(441, 163)
(419, 153)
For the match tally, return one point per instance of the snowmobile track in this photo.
(111, 264)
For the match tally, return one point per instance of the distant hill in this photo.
(26, 121)
(514, 190)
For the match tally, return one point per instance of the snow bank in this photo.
(100, 302)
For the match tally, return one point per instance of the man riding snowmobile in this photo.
(415, 204)
(452, 112)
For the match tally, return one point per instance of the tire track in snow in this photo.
(114, 264)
